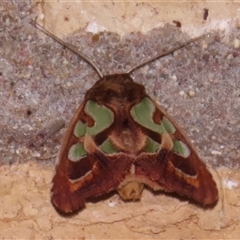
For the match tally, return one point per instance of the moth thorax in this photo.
(128, 140)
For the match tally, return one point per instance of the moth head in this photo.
(114, 87)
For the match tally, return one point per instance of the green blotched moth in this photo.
(121, 139)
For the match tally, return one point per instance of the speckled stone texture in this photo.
(41, 81)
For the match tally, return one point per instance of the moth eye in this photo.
(79, 129)
(108, 147)
(103, 117)
(152, 146)
(181, 148)
(168, 125)
(76, 152)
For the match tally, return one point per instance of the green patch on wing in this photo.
(168, 125)
(152, 146)
(103, 117)
(181, 149)
(143, 114)
(108, 147)
(79, 129)
(76, 152)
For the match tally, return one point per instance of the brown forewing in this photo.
(185, 176)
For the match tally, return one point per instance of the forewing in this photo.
(83, 170)
(171, 162)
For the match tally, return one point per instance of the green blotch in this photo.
(181, 148)
(80, 129)
(108, 147)
(102, 116)
(143, 114)
(76, 152)
(152, 146)
(168, 125)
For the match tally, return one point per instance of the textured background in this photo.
(40, 81)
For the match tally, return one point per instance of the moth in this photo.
(120, 139)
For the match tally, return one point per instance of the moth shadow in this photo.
(107, 196)
(103, 197)
(182, 198)
(93, 200)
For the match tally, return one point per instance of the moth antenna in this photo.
(165, 53)
(221, 193)
(71, 48)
